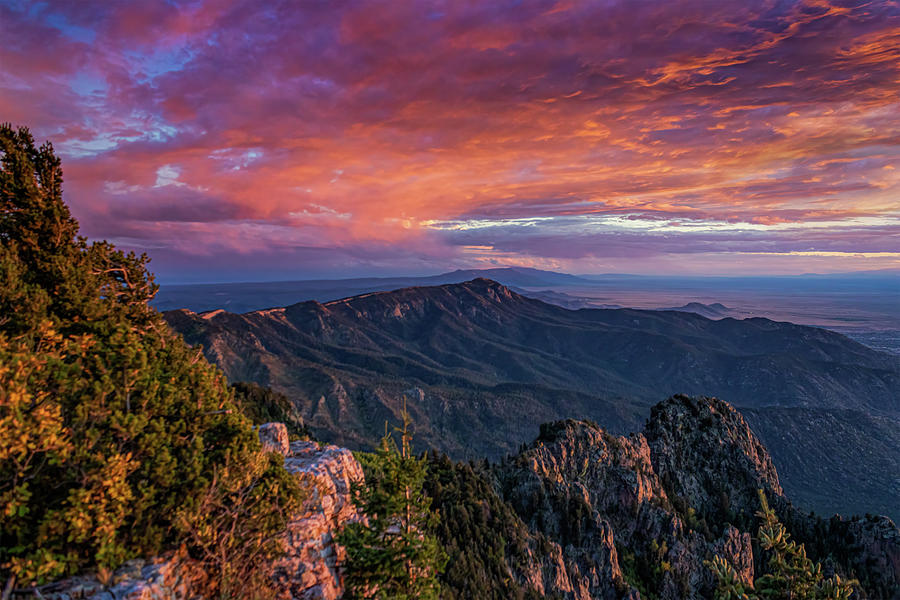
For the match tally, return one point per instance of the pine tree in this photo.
(729, 586)
(393, 554)
(790, 574)
(111, 427)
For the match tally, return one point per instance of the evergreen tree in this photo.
(482, 534)
(111, 427)
(393, 554)
(790, 574)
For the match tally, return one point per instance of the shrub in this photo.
(789, 573)
(239, 526)
(393, 554)
(111, 427)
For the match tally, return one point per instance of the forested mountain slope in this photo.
(482, 366)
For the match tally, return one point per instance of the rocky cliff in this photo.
(594, 515)
(602, 499)
(310, 568)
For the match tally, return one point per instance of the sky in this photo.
(242, 140)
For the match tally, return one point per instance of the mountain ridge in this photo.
(486, 304)
(463, 354)
(614, 517)
(241, 297)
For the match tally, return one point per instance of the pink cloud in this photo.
(342, 125)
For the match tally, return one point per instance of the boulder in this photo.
(274, 438)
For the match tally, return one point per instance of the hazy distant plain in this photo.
(866, 309)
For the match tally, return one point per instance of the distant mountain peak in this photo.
(717, 310)
(490, 288)
(477, 285)
(483, 283)
(522, 276)
(529, 270)
(451, 298)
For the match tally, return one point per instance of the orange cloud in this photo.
(220, 127)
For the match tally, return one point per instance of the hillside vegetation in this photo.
(116, 438)
(482, 367)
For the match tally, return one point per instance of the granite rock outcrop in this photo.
(638, 516)
(308, 570)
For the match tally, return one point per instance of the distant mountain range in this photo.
(249, 296)
(864, 306)
(481, 366)
(717, 310)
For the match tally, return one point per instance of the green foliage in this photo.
(111, 427)
(634, 572)
(264, 405)
(395, 554)
(729, 585)
(789, 574)
(645, 568)
(240, 525)
(481, 533)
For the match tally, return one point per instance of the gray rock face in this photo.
(157, 579)
(706, 454)
(600, 498)
(735, 547)
(637, 516)
(274, 438)
(310, 568)
(879, 542)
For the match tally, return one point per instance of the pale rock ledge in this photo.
(310, 569)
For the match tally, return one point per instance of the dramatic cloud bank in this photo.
(243, 140)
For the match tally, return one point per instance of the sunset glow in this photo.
(244, 140)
